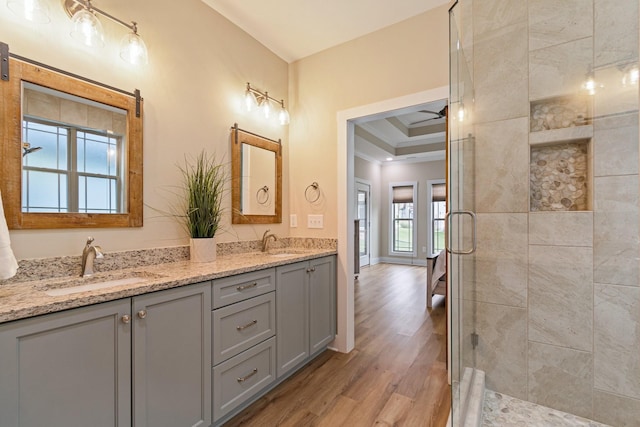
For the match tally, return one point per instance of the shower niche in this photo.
(560, 154)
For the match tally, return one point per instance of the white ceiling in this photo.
(410, 135)
(294, 29)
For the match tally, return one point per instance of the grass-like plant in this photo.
(203, 182)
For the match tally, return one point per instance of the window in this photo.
(438, 212)
(69, 169)
(403, 230)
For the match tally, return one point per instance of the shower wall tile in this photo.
(561, 228)
(501, 260)
(614, 95)
(561, 378)
(615, 149)
(552, 22)
(492, 15)
(502, 347)
(616, 31)
(502, 175)
(616, 194)
(559, 70)
(501, 91)
(561, 296)
(615, 410)
(617, 340)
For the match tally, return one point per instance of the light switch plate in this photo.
(293, 220)
(315, 221)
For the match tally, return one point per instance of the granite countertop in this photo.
(29, 298)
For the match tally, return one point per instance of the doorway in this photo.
(363, 213)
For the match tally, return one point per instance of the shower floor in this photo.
(501, 410)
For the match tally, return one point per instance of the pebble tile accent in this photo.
(558, 177)
(501, 410)
(558, 113)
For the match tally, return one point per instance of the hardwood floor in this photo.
(395, 376)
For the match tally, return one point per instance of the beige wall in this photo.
(402, 59)
(193, 85)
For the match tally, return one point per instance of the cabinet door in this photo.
(292, 326)
(322, 303)
(67, 369)
(172, 357)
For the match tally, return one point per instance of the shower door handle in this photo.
(447, 240)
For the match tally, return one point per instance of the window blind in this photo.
(438, 193)
(403, 194)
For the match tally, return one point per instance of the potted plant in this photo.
(203, 182)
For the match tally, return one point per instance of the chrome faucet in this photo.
(265, 240)
(89, 254)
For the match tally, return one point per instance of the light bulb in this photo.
(249, 99)
(631, 77)
(133, 50)
(461, 113)
(32, 10)
(87, 28)
(265, 107)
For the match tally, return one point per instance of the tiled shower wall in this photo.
(556, 294)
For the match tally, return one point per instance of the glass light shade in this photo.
(87, 28)
(266, 108)
(32, 10)
(283, 116)
(249, 100)
(133, 50)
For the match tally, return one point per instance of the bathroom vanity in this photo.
(190, 345)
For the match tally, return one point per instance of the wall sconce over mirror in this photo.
(255, 99)
(88, 30)
(70, 149)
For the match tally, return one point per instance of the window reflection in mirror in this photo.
(258, 181)
(70, 151)
(73, 153)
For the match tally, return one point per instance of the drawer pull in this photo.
(243, 327)
(142, 314)
(243, 287)
(246, 377)
(125, 319)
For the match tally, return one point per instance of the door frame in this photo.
(346, 120)
(364, 182)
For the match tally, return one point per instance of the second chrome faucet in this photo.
(265, 240)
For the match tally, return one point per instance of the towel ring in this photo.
(264, 190)
(315, 186)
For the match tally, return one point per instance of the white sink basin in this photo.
(93, 283)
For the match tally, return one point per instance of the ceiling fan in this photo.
(438, 115)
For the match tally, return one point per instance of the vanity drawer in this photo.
(241, 325)
(237, 288)
(241, 377)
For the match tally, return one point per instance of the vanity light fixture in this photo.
(32, 10)
(254, 98)
(88, 29)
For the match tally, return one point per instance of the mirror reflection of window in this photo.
(73, 154)
(258, 186)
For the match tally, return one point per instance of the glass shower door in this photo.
(460, 220)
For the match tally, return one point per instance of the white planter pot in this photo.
(202, 249)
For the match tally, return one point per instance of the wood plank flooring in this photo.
(395, 376)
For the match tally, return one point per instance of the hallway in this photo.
(396, 375)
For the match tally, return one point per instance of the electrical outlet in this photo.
(293, 220)
(315, 221)
(424, 249)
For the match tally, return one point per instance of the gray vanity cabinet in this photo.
(172, 357)
(67, 369)
(74, 368)
(305, 311)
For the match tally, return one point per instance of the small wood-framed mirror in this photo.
(71, 151)
(256, 171)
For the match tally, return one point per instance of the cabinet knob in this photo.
(125, 319)
(142, 314)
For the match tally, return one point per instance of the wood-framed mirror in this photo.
(71, 151)
(256, 178)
